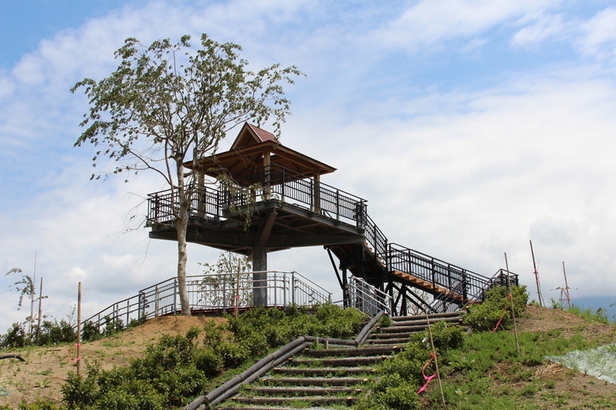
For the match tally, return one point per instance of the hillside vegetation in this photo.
(166, 362)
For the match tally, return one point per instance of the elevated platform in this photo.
(266, 197)
(280, 225)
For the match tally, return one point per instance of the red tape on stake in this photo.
(423, 372)
(68, 353)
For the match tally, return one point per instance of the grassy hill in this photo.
(485, 373)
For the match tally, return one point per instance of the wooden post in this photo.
(78, 345)
(40, 312)
(267, 179)
(515, 326)
(532, 253)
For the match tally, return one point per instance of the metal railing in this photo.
(212, 293)
(365, 297)
(274, 183)
(463, 282)
(267, 183)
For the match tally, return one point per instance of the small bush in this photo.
(444, 336)
(52, 333)
(496, 305)
(176, 368)
(15, 337)
(90, 332)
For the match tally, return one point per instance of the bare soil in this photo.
(45, 369)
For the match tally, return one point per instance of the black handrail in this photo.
(267, 183)
(275, 183)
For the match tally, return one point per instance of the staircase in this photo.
(316, 378)
(327, 377)
(403, 327)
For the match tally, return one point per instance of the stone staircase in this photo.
(325, 376)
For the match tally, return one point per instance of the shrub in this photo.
(90, 332)
(52, 333)
(496, 305)
(112, 326)
(176, 368)
(444, 336)
(15, 337)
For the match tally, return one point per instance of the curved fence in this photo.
(212, 293)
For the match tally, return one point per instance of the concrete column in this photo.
(259, 276)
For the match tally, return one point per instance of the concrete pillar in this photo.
(259, 276)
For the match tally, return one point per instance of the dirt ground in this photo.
(45, 369)
(568, 389)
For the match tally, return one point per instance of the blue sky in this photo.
(470, 127)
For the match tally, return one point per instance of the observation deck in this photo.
(260, 197)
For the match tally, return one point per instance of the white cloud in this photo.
(599, 38)
(430, 22)
(463, 174)
(546, 27)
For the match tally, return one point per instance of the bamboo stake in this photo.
(78, 329)
(438, 373)
(515, 325)
(532, 252)
(566, 290)
(32, 297)
(40, 312)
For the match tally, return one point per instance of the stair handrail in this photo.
(366, 297)
(365, 332)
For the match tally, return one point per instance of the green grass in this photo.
(487, 372)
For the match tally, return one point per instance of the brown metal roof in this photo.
(248, 152)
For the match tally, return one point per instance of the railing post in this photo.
(175, 295)
(157, 301)
(433, 273)
(293, 288)
(283, 185)
(274, 287)
(142, 303)
(284, 290)
(311, 195)
(224, 293)
(337, 204)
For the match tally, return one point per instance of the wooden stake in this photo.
(565, 291)
(438, 373)
(532, 252)
(78, 329)
(40, 312)
(515, 325)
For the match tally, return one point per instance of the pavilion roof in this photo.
(248, 151)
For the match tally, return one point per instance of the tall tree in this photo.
(166, 102)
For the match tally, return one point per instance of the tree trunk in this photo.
(182, 229)
(182, 225)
